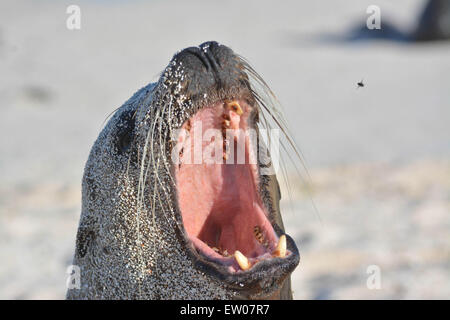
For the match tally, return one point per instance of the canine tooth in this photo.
(215, 249)
(242, 260)
(280, 250)
(235, 106)
(226, 123)
(225, 253)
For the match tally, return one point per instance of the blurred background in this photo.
(378, 156)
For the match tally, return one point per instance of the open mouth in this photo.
(218, 182)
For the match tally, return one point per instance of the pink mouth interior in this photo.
(220, 204)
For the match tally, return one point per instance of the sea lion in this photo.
(154, 228)
(434, 22)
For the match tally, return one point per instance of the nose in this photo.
(211, 66)
(206, 53)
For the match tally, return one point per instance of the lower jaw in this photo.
(263, 281)
(236, 261)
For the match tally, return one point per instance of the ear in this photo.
(125, 131)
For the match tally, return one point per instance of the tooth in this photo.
(225, 150)
(280, 250)
(234, 105)
(225, 253)
(226, 123)
(242, 260)
(215, 249)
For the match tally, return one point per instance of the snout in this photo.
(211, 69)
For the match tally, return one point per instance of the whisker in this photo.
(272, 115)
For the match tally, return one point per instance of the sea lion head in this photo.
(172, 207)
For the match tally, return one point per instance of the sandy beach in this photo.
(378, 157)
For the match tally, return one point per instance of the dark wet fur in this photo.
(131, 242)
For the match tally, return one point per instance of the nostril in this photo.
(212, 66)
(208, 48)
(201, 56)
